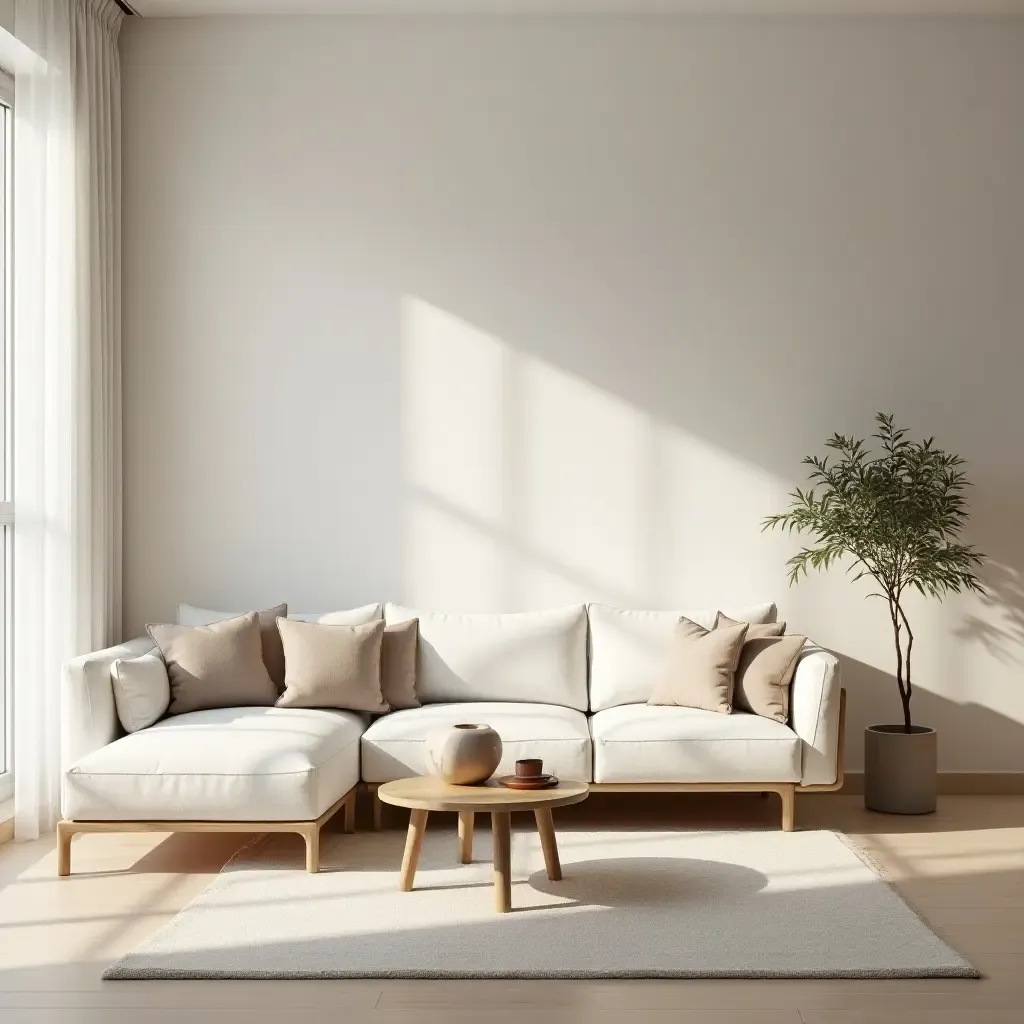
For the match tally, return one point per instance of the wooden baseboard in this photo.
(958, 783)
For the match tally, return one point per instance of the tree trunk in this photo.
(909, 685)
(905, 697)
(895, 613)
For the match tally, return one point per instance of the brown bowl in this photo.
(529, 768)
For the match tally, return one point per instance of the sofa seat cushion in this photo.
(641, 743)
(228, 764)
(393, 746)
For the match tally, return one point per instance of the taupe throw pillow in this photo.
(270, 639)
(273, 655)
(215, 666)
(700, 667)
(332, 666)
(398, 664)
(755, 630)
(764, 673)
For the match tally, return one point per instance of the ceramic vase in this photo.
(463, 755)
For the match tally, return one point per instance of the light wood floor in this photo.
(962, 868)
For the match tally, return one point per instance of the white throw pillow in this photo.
(628, 648)
(142, 690)
(535, 657)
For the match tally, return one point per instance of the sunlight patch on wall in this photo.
(712, 504)
(577, 474)
(452, 380)
(527, 486)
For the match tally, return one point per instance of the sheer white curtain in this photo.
(66, 373)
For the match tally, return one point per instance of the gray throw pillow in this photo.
(398, 664)
(700, 667)
(215, 666)
(764, 674)
(755, 630)
(332, 666)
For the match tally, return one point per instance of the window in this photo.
(6, 506)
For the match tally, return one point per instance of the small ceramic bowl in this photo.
(529, 767)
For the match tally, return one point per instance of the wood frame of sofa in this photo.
(67, 829)
(787, 791)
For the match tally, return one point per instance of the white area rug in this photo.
(680, 904)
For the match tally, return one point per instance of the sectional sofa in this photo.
(569, 685)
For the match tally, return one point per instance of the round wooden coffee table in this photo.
(425, 794)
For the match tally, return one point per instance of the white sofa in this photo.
(568, 685)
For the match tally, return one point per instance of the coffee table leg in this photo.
(546, 828)
(413, 844)
(466, 837)
(501, 826)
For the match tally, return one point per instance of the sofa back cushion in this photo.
(628, 649)
(538, 657)
(350, 617)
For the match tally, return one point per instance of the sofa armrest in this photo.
(88, 715)
(814, 706)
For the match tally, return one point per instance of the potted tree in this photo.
(895, 516)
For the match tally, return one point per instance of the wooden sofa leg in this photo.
(788, 796)
(312, 837)
(65, 833)
(378, 811)
(350, 813)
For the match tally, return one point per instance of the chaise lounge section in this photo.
(246, 769)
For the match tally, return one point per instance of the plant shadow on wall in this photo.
(1001, 629)
(875, 699)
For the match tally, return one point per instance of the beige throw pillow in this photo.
(700, 667)
(215, 666)
(273, 656)
(332, 666)
(764, 673)
(756, 630)
(398, 664)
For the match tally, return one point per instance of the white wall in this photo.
(505, 313)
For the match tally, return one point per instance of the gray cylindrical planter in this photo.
(900, 769)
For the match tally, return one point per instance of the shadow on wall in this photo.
(873, 699)
(1000, 625)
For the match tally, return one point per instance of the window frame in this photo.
(6, 435)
